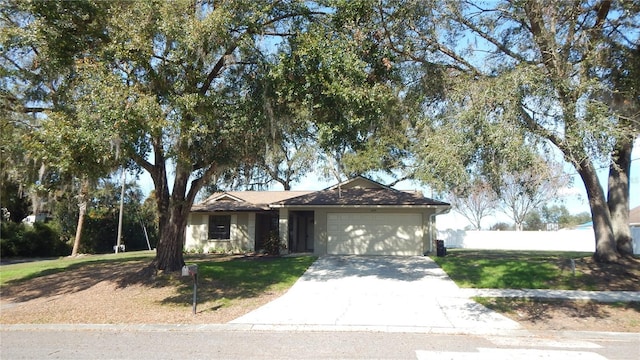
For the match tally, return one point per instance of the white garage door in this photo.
(374, 234)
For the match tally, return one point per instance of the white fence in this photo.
(635, 233)
(563, 240)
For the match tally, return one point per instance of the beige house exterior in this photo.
(356, 217)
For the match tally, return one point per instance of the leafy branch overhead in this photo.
(523, 76)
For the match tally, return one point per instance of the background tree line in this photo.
(52, 234)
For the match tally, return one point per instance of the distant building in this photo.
(634, 217)
(634, 225)
(41, 217)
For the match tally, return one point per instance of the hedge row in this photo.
(26, 240)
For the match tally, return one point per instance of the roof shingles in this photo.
(362, 197)
(356, 197)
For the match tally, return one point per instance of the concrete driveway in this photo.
(382, 293)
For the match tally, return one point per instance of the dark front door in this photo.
(301, 231)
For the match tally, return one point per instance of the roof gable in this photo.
(359, 182)
(244, 200)
(222, 197)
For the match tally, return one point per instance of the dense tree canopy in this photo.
(186, 88)
(518, 75)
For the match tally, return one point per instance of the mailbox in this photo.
(192, 270)
(188, 270)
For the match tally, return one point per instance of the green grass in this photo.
(588, 307)
(511, 269)
(32, 269)
(244, 277)
(220, 278)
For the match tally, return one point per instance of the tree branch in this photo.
(463, 20)
(396, 181)
(538, 129)
(413, 57)
(143, 162)
(449, 53)
(197, 184)
(217, 68)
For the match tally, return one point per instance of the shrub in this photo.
(37, 240)
(272, 244)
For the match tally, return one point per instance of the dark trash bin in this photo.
(441, 250)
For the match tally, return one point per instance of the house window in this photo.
(220, 227)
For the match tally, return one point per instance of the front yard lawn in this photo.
(124, 289)
(537, 270)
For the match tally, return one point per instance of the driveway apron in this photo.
(376, 291)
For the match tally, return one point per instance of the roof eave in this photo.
(403, 206)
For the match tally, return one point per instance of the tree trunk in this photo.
(169, 256)
(82, 204)
(171, 227)
(606, 250)
(618, 195)
(169, 252)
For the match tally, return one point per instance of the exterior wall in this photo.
(242, 231)
(430, 230)
(563, 240)
(321, 234)
(283, 229)
(197, 230)
(250, 243)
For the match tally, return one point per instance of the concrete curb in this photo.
(189, 328)
(601, 296)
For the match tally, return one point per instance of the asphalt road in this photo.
(146, 342)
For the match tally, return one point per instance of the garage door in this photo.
(374, 234)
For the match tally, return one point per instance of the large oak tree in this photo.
(560, 73)
(168, 80)
(192, 90)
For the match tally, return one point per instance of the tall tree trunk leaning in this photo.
(618, 195)
(82, 205)
(606, 249)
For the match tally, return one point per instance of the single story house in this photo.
(358, 216)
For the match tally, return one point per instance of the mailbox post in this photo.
(192, 270)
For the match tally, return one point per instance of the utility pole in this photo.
(118, 241)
